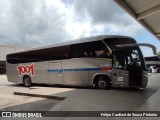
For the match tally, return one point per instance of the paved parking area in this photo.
(87, 99)
(8, 99)
(6, 94)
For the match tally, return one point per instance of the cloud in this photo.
(32, 23)
(106, 13)
(99, 11)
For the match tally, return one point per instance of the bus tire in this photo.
(102, 82)
(158, 71)
(27, 81)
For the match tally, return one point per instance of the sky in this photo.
(33, 23)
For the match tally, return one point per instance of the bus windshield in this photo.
(126, 57)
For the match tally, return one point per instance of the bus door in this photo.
(120, 74)
(127, 67)
(55, 72)
(128, 61)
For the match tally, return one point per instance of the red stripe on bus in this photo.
(109, 68)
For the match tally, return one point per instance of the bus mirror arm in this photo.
(140, 44)
(107, 46)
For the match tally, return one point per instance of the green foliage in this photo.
(158, 53)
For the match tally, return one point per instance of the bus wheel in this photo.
(158, 71)
(102, 82)
(27, 81)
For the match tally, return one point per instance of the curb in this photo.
(38, 95)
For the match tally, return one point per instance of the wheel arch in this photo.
(97, 75)
(27, 82)
(26, 76)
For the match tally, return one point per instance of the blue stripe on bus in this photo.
(77, 69)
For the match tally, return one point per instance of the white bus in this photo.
(101, 61)
(153, 64)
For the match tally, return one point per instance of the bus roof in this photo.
(152, 58)
(76, 41)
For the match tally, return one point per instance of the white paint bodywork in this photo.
(42, 75)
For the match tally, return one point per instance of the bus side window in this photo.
(95, 49)
(84, 54)
(75, 51)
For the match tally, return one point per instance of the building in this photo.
(4, 50)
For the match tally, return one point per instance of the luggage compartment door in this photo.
(55, 72)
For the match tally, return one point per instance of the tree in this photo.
(158, 53)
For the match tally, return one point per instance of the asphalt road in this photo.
(39, 105)
(90, 99)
